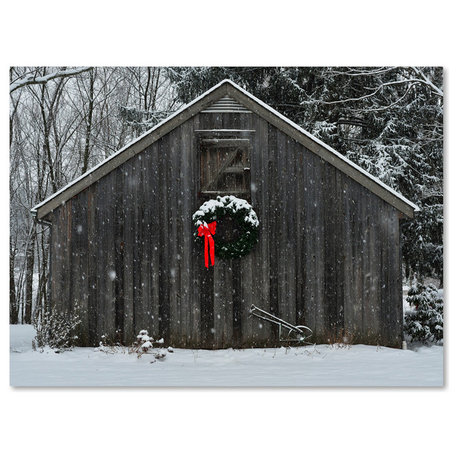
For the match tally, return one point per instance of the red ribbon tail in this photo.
(212, 250)
(206, 252)
(206, 232)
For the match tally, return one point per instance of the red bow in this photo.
(206, 230)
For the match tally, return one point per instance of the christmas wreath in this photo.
(207, 216)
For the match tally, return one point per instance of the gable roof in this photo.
(223, 89)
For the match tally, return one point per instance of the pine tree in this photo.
(425, 323)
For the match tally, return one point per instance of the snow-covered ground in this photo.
(359, 365)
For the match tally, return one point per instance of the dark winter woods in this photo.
(63, 121)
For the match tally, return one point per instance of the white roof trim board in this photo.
(181, 115)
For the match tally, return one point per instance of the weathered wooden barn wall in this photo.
(328, 254)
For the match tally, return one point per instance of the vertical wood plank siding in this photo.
(328, 255)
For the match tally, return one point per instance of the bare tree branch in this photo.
(387, 107)
(29, 79)
(359, 72)
(411, 82)
(428, 82)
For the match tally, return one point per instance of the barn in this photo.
(124, 252)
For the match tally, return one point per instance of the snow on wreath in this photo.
(215, 210)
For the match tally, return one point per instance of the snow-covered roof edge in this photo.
(90, 177)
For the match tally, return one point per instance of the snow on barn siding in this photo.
(328, 254)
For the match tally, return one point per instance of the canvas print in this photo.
(226, 226)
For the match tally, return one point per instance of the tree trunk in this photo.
(41, 304)
(87, 146)
(14, 306)
(30, 262)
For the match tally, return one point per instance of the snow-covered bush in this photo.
(424, 323)
(145, 344)
(56, 330)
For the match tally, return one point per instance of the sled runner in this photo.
(298, 334)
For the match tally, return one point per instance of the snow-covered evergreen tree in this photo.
(425, 322)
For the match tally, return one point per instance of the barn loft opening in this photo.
(225, 167)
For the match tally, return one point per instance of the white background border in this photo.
(230, 422)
